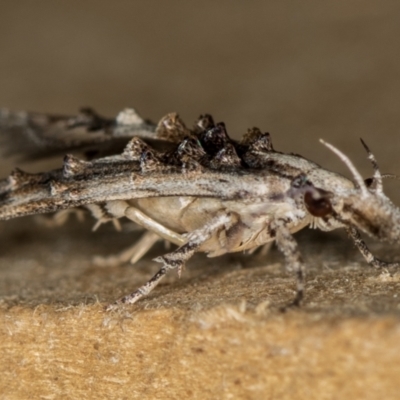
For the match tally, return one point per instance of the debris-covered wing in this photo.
(81, 182)
(203, 162)
(29, 135)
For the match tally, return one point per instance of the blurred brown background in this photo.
(299, 70)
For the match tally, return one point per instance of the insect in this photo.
(196, 188)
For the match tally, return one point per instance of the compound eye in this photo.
(369, 182)
(317, 202)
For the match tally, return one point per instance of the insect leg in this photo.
(178, 258)
(262, 251)
(61, 217)
(288, 246)
(133, 253)
(100, 213)
(150, 224)
(364, 250)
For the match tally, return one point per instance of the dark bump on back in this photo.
(204, 123)
(172, 128)
(226, 157)
(257, 141)
(135, 148)
(215, 139)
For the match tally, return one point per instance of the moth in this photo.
(196, 188)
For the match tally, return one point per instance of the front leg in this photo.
(288, 246)
(364, 250)
(180, 256)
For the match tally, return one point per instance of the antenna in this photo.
(356, 175)
(377, 174)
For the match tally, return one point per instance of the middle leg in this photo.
(288, 246)
(177, 258)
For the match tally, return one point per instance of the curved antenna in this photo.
(390, 176)
(356, 175)
(377, 174)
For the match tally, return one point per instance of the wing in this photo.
(30, 136)
(209, 164)
(24, 194)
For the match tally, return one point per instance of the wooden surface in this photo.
(320, 70)
(218, 332)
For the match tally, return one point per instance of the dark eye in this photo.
(369, 181)
(318, 203)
